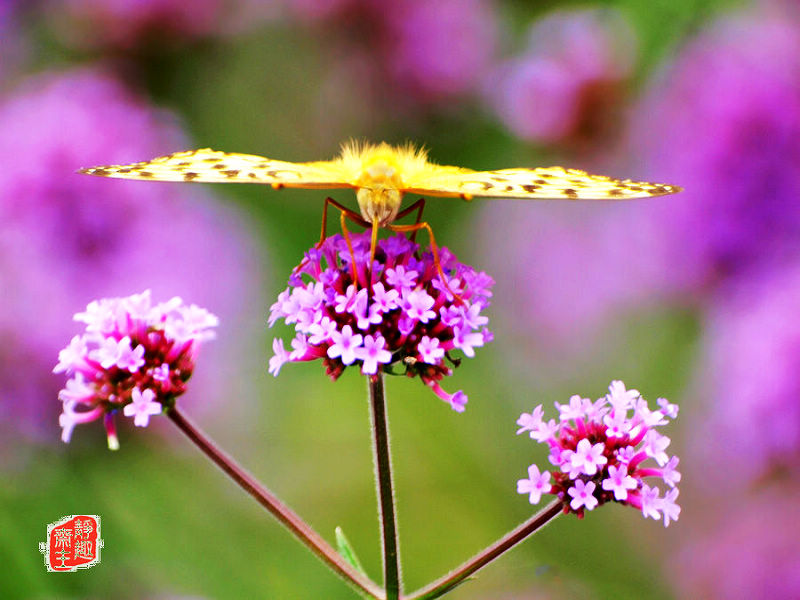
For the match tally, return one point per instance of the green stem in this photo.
(299, 528)
(444, 584)
(383, 466)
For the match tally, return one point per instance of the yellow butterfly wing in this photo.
(211, 166)
(538, 183)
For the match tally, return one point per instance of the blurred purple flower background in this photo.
(125, 24)
(418, 53)
(570, 75)
(751, 383)
(733, 143)
(69, 238)
(743, 550)
(722, 119)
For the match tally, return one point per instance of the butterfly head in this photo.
(379, 187)
(379, 201)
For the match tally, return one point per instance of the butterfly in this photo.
(381, 174)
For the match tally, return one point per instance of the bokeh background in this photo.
(693, 297)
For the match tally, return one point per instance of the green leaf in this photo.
(347, 552)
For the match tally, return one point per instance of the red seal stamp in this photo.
(73, 543)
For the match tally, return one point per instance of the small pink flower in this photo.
(466, 340)
(281, 356)
(619, 482)
(142, 407)
(581, 494)
(430, 350)
(130, 359)
(344, 345)
(650, 502)
(371, 353)
(418, 305)
(588, 457)
(530, 422)
(536, 484)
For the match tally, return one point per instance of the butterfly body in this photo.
(381, 174)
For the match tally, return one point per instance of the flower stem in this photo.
(380, 432)
(444, 584)
(299, 528)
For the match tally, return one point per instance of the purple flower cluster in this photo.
(599, 449)
(134, 356)
(409, 315)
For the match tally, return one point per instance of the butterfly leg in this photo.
(345, 214)
(434, 249)
(353, 216)
(373, 245)
(324, 233)
(419, 206)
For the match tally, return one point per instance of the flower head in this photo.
(407, 317)
(134, 356)
(599, 449)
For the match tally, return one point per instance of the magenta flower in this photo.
(619, 482)
(74, 238)
(582, 496)
(372, 353)
(142, 406)
(134, 356)
(410, 319)
(594, 466)
(536, 484)
(564, 83)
